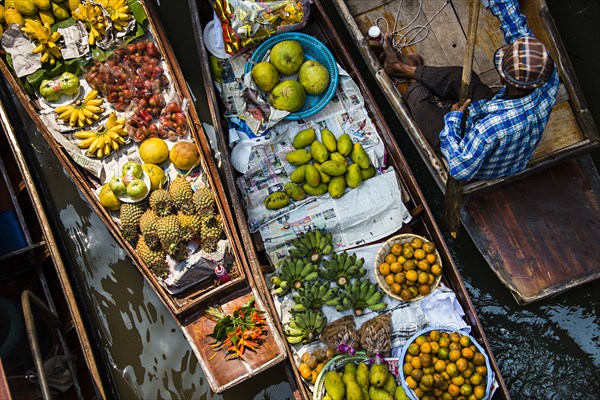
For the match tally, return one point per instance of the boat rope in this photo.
(401, 36)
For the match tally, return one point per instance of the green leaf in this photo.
(138, 11)
(63, 24)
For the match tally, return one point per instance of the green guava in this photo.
(287, 56)
(288, 95)
(265, 76)
(314, 77)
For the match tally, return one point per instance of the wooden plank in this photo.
(4, 388)
(357, 7)
(561, 132)
(220, 372)
(539, 234)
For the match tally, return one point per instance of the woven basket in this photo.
(313, 50)
(411, 394)
(385, 249)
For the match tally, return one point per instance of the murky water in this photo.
(548, 350)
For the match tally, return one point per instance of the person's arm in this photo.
(512, 22)
(464, 155)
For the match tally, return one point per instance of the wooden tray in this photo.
(222, 373)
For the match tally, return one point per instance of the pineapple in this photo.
(204, 200)
(155, 260)
(190, 225)
(148, 222)
(168, 229)
(211, 232)
(161, 202)
(181, 191)
(130, 218)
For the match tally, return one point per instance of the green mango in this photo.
(376, 393)
(378, 374)
(353, 176)
(333, 168)
(337, 186)
(304, 138)
(298, 157)
(277, 200)
(329, 140)
(400, 394)
(359, 156)
(319, 152)
(362, 375)
(299, 174)
(42, 4)
(334, 386)
(46, 17)
(60, 11)
(216, 67)
(365, 393)
(337, 156)
(390, 384)
(26, 7)
(294, 191)
(324, 177)
(367, 173)
(353, 390)
(344, 145)
(312, 176)
(315, 191)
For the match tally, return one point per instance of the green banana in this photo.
(360, 295)
(312, 244)
(305, 326)
(292, 273)
(341, 268)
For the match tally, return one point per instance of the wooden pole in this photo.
(454, 187)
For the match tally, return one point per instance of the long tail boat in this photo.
(136, 33)
(504, 217)
(423, 223)
(36, 280)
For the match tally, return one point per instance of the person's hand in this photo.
(461, 107)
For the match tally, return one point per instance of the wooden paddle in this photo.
(454, 187)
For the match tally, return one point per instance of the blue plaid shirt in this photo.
(500, 134)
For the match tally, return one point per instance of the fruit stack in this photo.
(329, 165)
(359, 381)
(312, 362)
(287, 58)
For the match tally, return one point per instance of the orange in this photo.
(467, 353)
(396, 249)
(396, 267)
(465, 341)
(458, 380)
(413, 349)
(478, 359)
(390, 258)
(407, 368)
(400, 278)
(411, 275)
(395, 288)
(304, 370)
(434, 335)
(409, 265)
(389, 279)
(444, 341)
(436, 270)
(425, 347)
(431, 279)
(154, 151)
(462, 365)
(406, 295)
(416, 374)
(443, 353)
(423, 265)
(435, 346)
(481, 370)
(184, 155)
(420, 340)
(479, 392)
(430, 258)
(416, 362)
(419, 254)
(439, 366)
(414, 291)
(319, 367)
(453, 389)
(455, 336)
(428, 247)
(416, 243)
(475, 379)
(384, 268)
(454, 355)
(423, 278)
(424, 290)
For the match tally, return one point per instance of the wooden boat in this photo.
(503, 216)
(32, 270)
(423, 222)
(189, 305)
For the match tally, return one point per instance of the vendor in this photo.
(502, 130)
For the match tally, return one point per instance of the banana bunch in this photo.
(119, 12)
(360, 295)
(93, 17)
(292, 274)
(314, 296)
(342, 267)
(313, 243)
(305, 326)
(46, 40)
(82, 113)
(108, 138)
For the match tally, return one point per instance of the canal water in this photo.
(547, 350)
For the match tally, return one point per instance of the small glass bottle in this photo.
(375, 41)
(221, 273)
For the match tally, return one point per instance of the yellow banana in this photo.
(85, 134)
(94, 145)
(86, 143)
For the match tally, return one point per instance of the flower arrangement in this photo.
(237, 332)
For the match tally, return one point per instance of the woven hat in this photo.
(525, 63)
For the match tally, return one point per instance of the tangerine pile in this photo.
(445, 365)
(312, 362)
(411, 269)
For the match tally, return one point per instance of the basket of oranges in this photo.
(408, 267)
(442, 363)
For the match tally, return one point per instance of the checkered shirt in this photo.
(501, 134)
